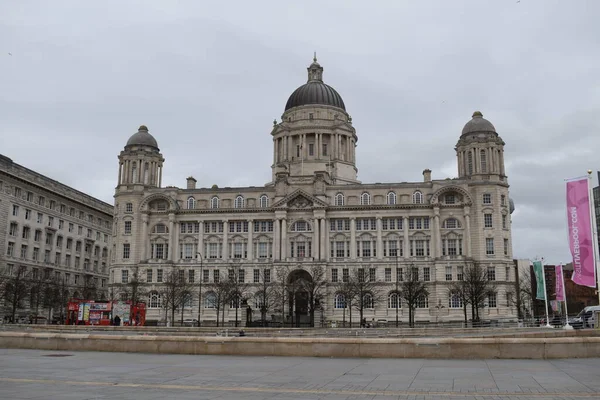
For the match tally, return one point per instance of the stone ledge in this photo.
(448, 348)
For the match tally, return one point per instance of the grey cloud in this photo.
(209, 79)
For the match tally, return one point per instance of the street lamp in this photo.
(438, 307)
(200, 291)
(396, 294)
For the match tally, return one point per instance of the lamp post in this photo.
(200, 291)
(438, 307)
(397, 296)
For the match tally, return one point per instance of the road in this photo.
(36, 374)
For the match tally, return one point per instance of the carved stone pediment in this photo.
(300, 202)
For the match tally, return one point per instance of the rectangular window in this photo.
(325, 149)
(47, 256)
(507, 273)
(489, 246)
(23, 251)
(491, 273)
(505, 247)
(61, 224)
(79, 230)
(492, 300)
(419, 248)
(14, 228)
(10, 250)
(459, 273)
(452, 247)
(68, 260)
(388, 274)
(334, 275)
(216, 276)
(40, 218)
(15, 211)
(127, 227)
(345, 275)
(205, 275)
(399, 275)
(267, 276)
(311, 149)
(487, 198)
(426, 274)
(372, 274)
(366, 248)
(50, 221)
(448, 273)
(256, 276)
(26, 231)
(504, 223)
(27, 214)
(124, 276)
(487, 220)
(159, 275)
(126, 250)
(191, 277)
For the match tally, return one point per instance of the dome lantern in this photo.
(142, 138)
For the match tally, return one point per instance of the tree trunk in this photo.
(217, 309)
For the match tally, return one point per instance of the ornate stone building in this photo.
(316, 212)
(53, 233)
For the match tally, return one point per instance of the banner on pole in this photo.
(558, 278)
(580, 232)
(538, 270)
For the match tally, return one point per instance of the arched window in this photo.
(454, 301)
(187, 300)
(239, 202)
(154, 300)
(469, 163)
(214, 202)
(365, 199)
(339, 199)
(191, 203)
(417, 197)
(264, 201)
(368, 300)
(339, 301)
(483, 161)
(394, 300)
(134, 172)
(391, 198)
(160, 228)
(451, 223)
(210, 300)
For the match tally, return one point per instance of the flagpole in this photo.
(594, 232)
(545, 295)
(564, 288)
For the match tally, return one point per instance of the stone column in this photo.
(160, 175)
(225, 240)
(353, 238)
(316, 240)
(379, 245)
(323, 246)
(318, 138)
(201, 249)
(144, 237)
(172, 249)
(250, 240)
(283, 239)
(467, 236)
(276, 239)
(436, 233)
(120, 171)
(406, 249)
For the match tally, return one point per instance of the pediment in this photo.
(299, 200)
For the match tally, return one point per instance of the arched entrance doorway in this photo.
(298, 297)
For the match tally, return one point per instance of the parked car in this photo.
(190, 322)
(586, 318)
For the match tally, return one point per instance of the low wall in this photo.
(448, 348)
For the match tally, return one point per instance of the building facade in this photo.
(315, 212)
(52, 233)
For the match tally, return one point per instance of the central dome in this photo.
(315, 91)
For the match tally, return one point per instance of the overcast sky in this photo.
(77, 78)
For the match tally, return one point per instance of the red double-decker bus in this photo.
(92, 312)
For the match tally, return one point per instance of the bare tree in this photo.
(238, 289)
(220, 289)
(38, 292)
(267, 293)
(16, 289)
(281, 293)
(89, 288)
(367, 290)
(478, 285)
(412, 290)
(135, 288)
(175, 291)
(458, 289)
(347, 290)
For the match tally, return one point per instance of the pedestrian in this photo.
(117, 321)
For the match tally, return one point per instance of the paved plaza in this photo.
(35, 374)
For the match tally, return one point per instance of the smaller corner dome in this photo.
(478, 124)
(142, 138)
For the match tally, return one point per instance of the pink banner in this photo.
(580, 232)
(560, 289)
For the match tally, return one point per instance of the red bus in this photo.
(92, 312)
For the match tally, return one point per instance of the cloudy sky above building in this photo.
(78, 78)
